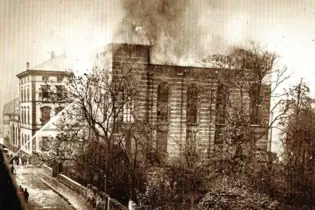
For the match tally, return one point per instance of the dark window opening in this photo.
(45, 78)
(60, 92)
(45, 114)
(28, 94)
(192, 104)
(162, 144)
(28, 115)
(162, 103)
(58, 110)
(255, 103)
(59, 79)
(221, 112)
(45, 92)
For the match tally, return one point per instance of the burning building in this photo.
(183, 103)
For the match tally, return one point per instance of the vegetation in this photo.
(107, 148)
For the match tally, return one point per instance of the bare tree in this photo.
(247, 81)
(101, 125)
(298, 136)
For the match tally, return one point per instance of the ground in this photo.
(40, 195)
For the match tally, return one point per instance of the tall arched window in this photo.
(21, 94)
(162, 103)
(16, 136)
(28, 94)
(192, 104)
(222, 99)
(28, 114)
(45, 114)
(28, 142)
(162, 119)
(21, 114)
(255, 95)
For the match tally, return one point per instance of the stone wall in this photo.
(178, 79)
(73, 185)
(99, 199)
(96, 198)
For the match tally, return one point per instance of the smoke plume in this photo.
(183, 32)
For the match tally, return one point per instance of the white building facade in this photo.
(35, 86)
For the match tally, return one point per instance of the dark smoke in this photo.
(182, 31)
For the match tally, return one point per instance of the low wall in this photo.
(47, 169)
(95, 197)
(73, 185)
(99, 199)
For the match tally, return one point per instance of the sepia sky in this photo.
(30, 29)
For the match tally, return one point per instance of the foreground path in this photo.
(40, 195)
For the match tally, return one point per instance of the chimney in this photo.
(52, 54)
(27, 65)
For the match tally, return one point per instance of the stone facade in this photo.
(178, 101)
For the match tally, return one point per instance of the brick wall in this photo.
(137, 57)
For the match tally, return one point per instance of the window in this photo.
(58, 109)
(59, 78)
(162, 143)
(22, 114)
(28, 94)
(162, 103)
(221, 111)
(21, 94)
(24, 94)
(60, 92)
(28, 142)
(45, 78)
(191, 140)
(192, 104)
(45, 92)
(255, 94)
(128, 111)
(221, 103)
(45, 114)
(28, 115)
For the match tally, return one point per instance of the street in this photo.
(40, 196)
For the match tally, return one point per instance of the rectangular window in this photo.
(45, 91)
(128, 111)
(45, 78)
(59, 79)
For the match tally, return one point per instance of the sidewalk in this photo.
(77, 200)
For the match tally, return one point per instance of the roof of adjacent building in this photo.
(12, 107)
(56, 63)
(60, 63)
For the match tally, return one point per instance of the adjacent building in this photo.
(35, 84)
(11, 122)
